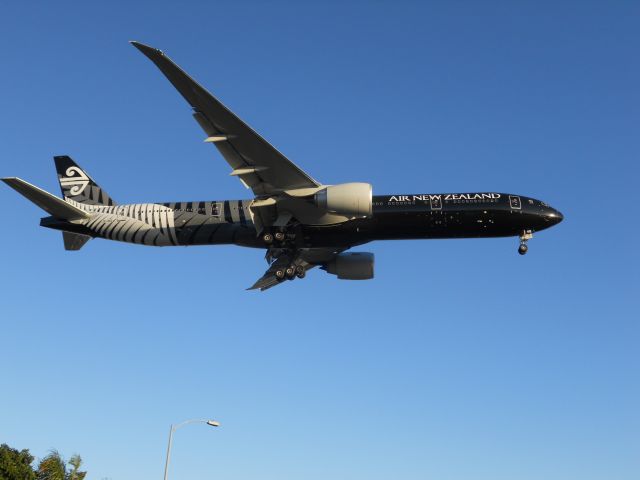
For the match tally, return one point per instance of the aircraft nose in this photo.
(555, 216)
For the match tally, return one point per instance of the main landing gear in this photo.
(283, 243)
(290, 272)
(525, 236)
(280, 238)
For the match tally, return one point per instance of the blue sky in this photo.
(460, 360)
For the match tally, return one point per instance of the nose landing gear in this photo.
(525, 236)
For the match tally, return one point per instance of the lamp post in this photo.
(211, 423)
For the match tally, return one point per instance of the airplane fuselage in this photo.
(394, 217)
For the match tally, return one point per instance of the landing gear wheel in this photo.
(280, 274)
(525, 236)
(280, 236)
(300, 269)
(301, 274)
(267, 238)
(290, 272)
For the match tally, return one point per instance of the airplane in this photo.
(300, 222)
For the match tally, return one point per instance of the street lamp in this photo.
(211, 423)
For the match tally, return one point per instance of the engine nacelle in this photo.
(351, 266)
(348, 199)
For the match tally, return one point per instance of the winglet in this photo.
(146, 49)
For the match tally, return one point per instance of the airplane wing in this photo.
(254, 160)
(305, 258)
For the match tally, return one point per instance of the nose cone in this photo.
(554, 216)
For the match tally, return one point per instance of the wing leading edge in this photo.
(254, 160)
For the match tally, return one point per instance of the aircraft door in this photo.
(514, 202)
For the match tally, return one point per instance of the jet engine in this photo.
(347, 199)
(351, 266)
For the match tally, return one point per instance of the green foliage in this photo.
(54, 467)
(75, 473)
(15, 464)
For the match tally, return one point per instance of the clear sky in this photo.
(460, 360)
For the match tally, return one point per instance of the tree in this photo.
(15, 464)
(75, 473)
(54, 467)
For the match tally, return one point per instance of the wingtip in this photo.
(146, 49)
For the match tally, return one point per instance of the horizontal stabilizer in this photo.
(74, 241)
(51, 204)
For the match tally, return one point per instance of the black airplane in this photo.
(300, 222)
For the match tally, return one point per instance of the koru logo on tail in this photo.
(76, 180)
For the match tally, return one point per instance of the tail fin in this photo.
(51, 204)
(77, 185)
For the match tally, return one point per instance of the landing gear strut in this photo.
(524, 237)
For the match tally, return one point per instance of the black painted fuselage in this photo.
(395, 217)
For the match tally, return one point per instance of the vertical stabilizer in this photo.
(77, 185)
